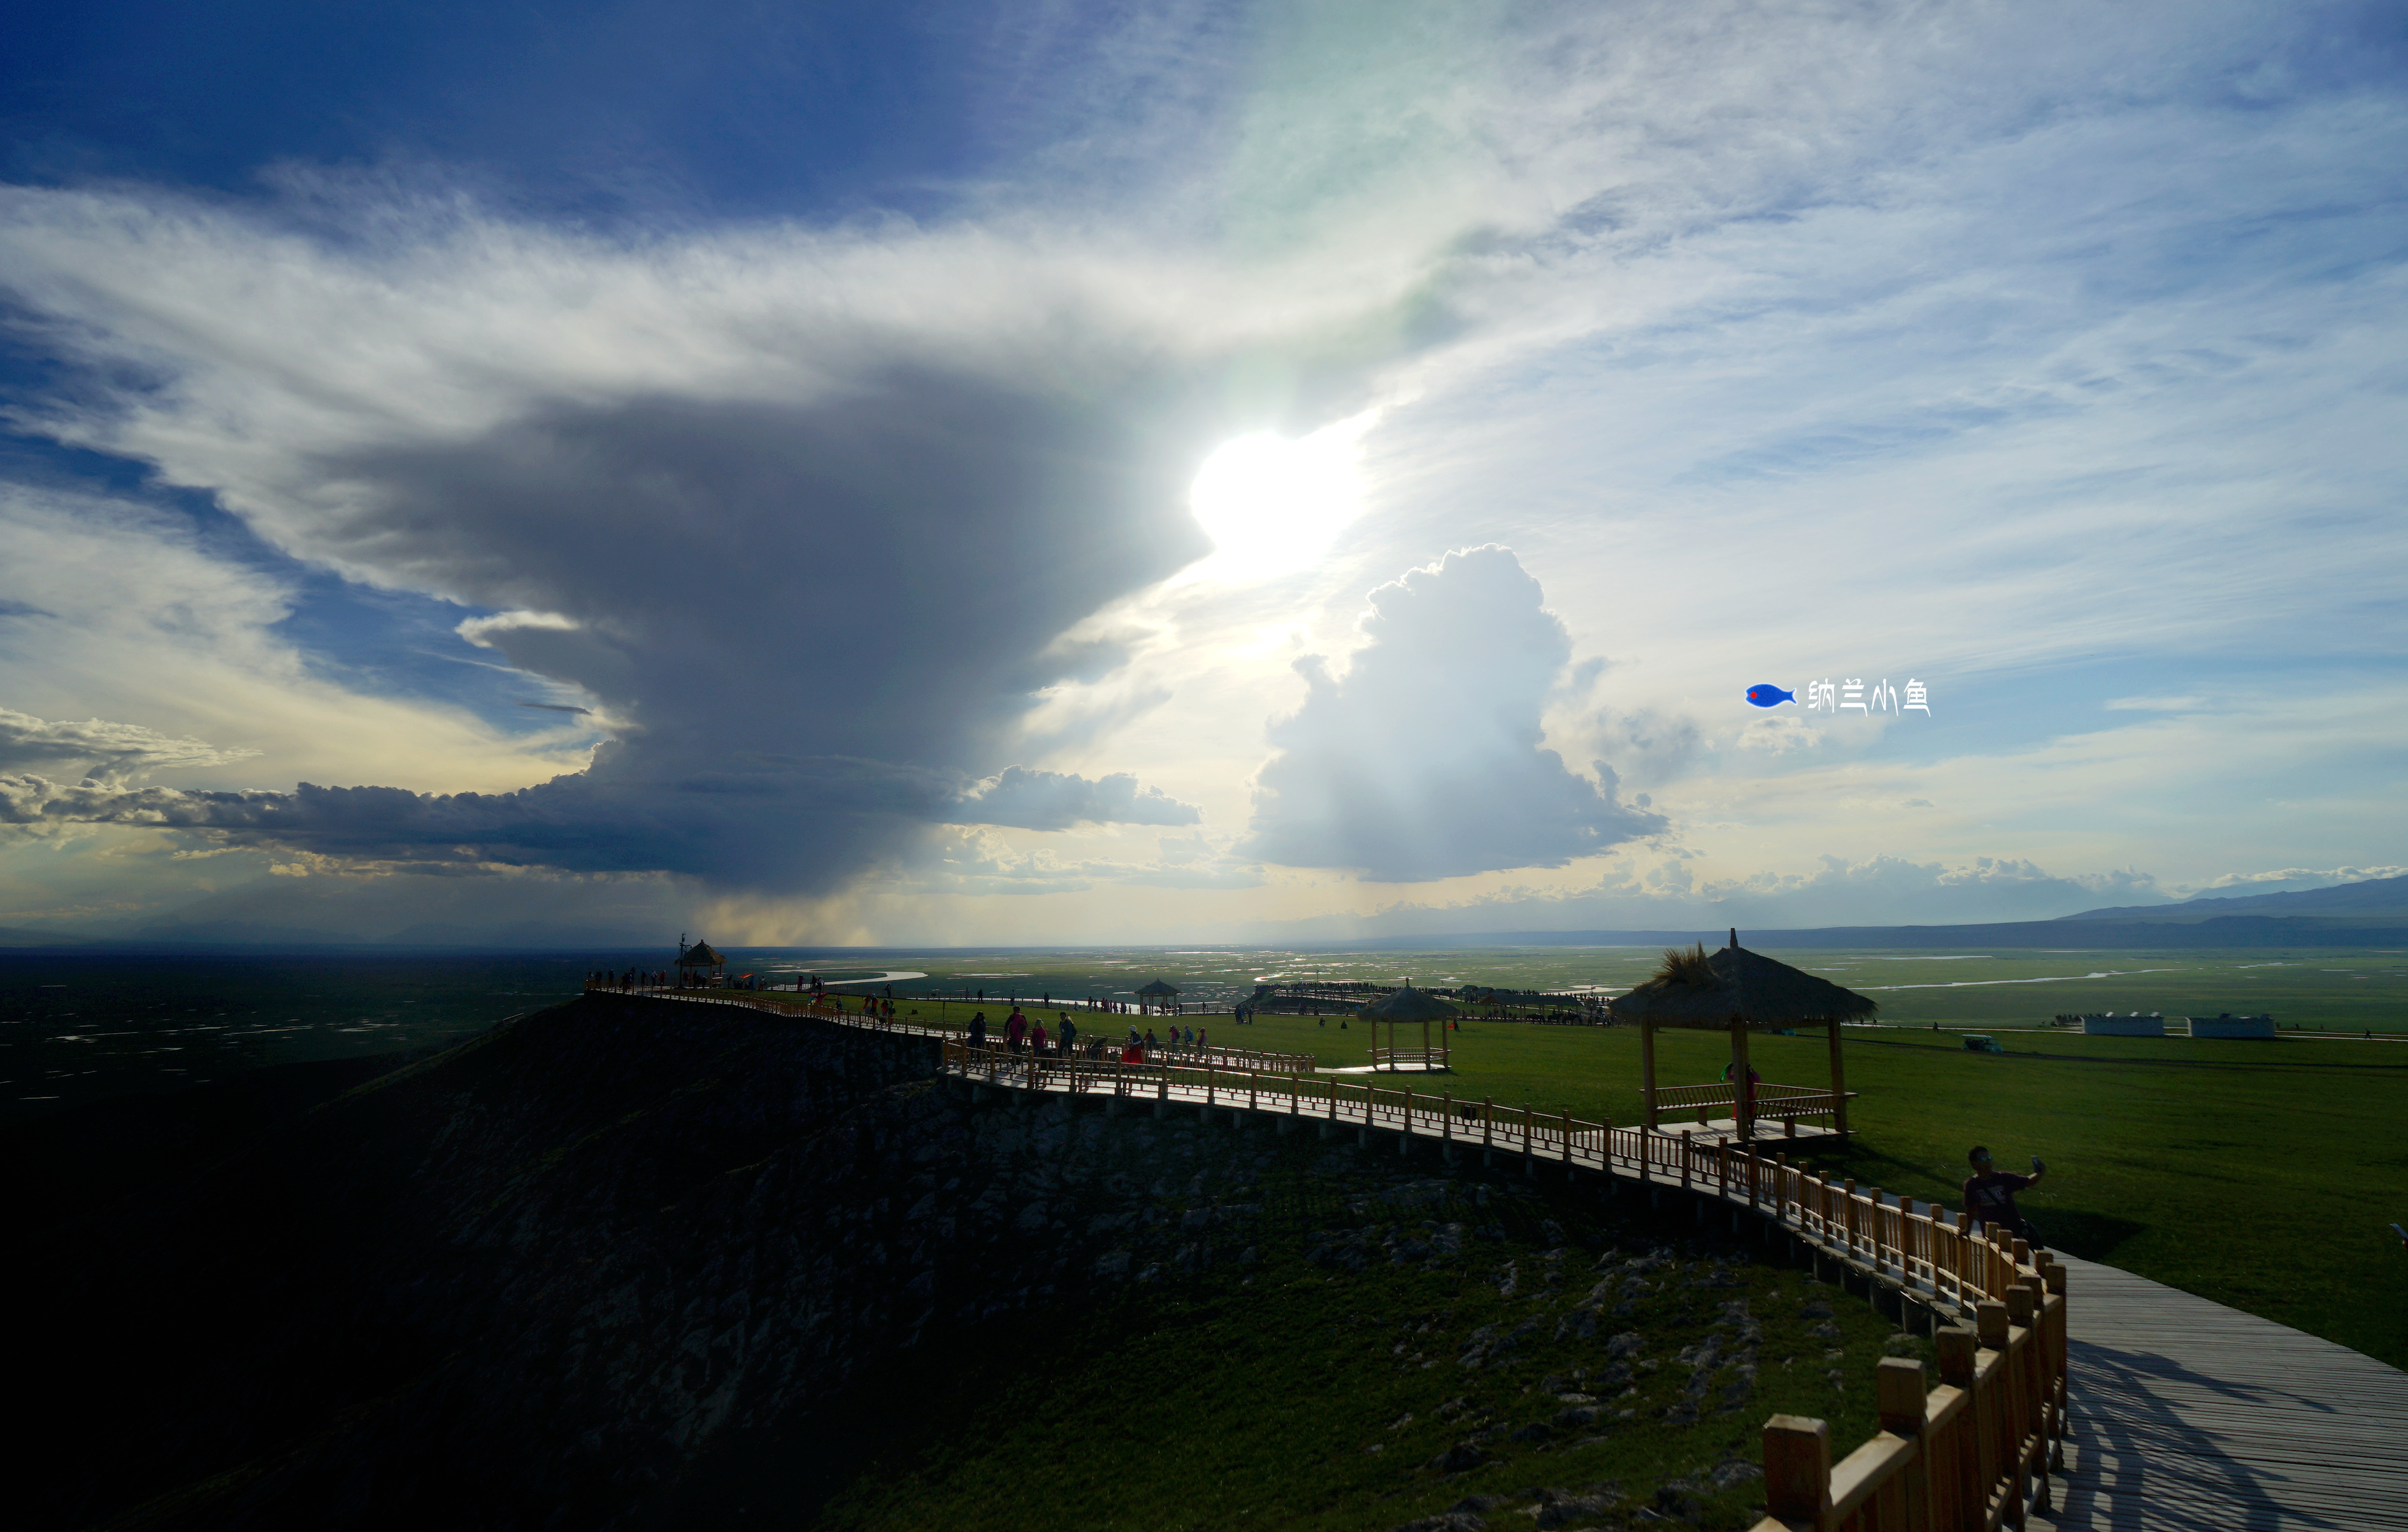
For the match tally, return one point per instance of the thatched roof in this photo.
(1159, 988)
(700, 955)
(1406, 1005)
(1712, 989)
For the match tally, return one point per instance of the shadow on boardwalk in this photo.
(2186, 1414)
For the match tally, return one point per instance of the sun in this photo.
(1273, 505)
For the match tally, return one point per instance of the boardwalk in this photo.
(2187, 1414)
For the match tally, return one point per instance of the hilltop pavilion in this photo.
(1741, 992)
(700, 967)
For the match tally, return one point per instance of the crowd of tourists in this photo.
(1023, 1034)
(631, 979)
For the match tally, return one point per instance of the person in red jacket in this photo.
(1015, 1030)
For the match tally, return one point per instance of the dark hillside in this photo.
(635, 1264)
(519, 1277)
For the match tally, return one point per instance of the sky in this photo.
(1056, 473)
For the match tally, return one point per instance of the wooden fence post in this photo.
(2054, 1276)
(1797, 1471)
(1968, 1485)
(2029, 1375)
(1898, 1394)
(1994, 1399)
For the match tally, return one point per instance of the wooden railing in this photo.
(1963, 1455)
(1927, 1250)
(1970, 1455)
(865, 1013)
(1785, 1103)
(1414, 1056)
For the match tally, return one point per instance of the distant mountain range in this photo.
(2147, 936)
(2385, 899)
(17, 936)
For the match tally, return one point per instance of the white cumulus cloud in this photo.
(1426, 758)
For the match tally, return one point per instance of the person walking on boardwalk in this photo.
(1990, 1194)
(1015, 1027)
(1037, 1040)
(978, 1030)
(1069, 1034)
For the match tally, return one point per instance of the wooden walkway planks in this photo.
(2188, 1416)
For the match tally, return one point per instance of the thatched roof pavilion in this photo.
(704, 956)
(1158, 995)
(1408, 1005)
(1738, 992)
(1717, 990)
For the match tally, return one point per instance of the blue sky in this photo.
(773, 468)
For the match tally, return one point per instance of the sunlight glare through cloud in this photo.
(1273, 505)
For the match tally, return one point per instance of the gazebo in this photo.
(1408, 1005)
(1739, 992)
(699, 965)
(1158, 995)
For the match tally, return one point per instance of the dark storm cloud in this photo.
(1054, 800)
(1425, 759)
(820, 620)
(814, 625)
(586, 822)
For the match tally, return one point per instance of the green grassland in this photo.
(2262, 1175)
(1327, 1386)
